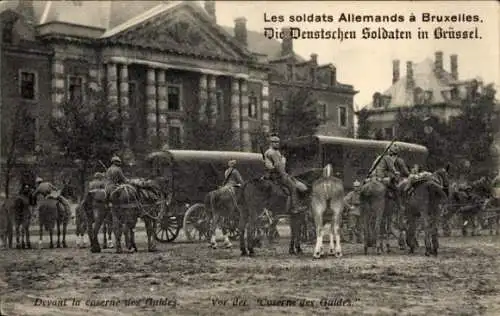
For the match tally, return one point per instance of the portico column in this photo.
(235, 113)
(162, 106)
(246, 143)
(152, 112)
(265, 107)
(57, 85)
(202, 97)
(112, 79)
(212, 99)
(124, 105)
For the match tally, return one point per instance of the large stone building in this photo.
(427, 84)
(153, 61)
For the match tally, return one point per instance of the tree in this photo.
(200, 134)
(18, 139)
(364, 125)
(86, 133)
(298, 116)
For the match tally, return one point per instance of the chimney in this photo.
(438, 62)
(286, 42)
(333, 75)
(314, 59)
(240, 30)
(395, 71)
(210, 8)
(454, 66)
(409, 75)
(25, 8)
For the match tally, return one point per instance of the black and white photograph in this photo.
(249, 158)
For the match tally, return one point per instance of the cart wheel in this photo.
(167, 229)
(196, 223)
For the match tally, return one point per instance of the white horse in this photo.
(327, 194)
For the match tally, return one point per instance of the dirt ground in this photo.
(191, 279)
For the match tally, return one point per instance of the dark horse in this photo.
(424, 200)
(373, 194)
(255, 196)
(16, 213)
(52, 212)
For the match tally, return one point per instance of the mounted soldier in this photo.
(232, 176)
(48, 190)
(275, 164)
(114, 173)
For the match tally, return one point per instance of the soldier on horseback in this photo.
(275, 164)
(232, 176)
(114, 173)
(47, 189)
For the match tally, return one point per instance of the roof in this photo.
(258, 43)
(355, 142)
(425, 78)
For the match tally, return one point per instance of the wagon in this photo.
(191, 174)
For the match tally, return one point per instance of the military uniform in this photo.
(275, 164)
(46, 189)
(353, 202)
(233, 177)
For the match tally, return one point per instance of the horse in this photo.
(221, 204)
(424, 201)
(16, 215)
(51, 213)
(255, 197)
(91, 214)
(373, 213)
(129, 202)
(327, 195)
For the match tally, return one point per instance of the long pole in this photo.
(1, 101)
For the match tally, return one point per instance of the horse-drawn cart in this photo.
(190, 175)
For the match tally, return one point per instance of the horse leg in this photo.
(379, 243)
(299, 219)
(51, 236)
(427, 238)
(251, 236)
(58, 223)
(27, 233)
(117, 227)
(293, 232)
(65, 228)
(101, 214)
(18, 236)
(227, 242)
(40, 232)
(242, 226)
(214, 221)
(411, 238)
(318, 207)
(337, 209)
(150, 224)
(434, 233)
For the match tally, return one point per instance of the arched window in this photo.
(8, 30)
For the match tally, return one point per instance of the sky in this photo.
(367, 64)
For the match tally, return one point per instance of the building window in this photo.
(7, 35)
(289, 71)
(219, 99)
(278, 106)
(428, 97)
(252, 105)
(322, 112)
(174, 98)
(174, 137)
(418, 95)
(342, 116)
(389, 132)
(376, 99)
(75, 88)
(27, 85)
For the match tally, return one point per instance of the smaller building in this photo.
(428, 85)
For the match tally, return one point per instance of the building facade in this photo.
(154, 61)
(428, 85)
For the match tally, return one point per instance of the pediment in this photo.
(185, 30)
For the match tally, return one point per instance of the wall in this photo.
(332, 99)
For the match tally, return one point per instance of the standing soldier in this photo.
(353, 203)
(45, 189)
(232, 176)
(275, 164)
